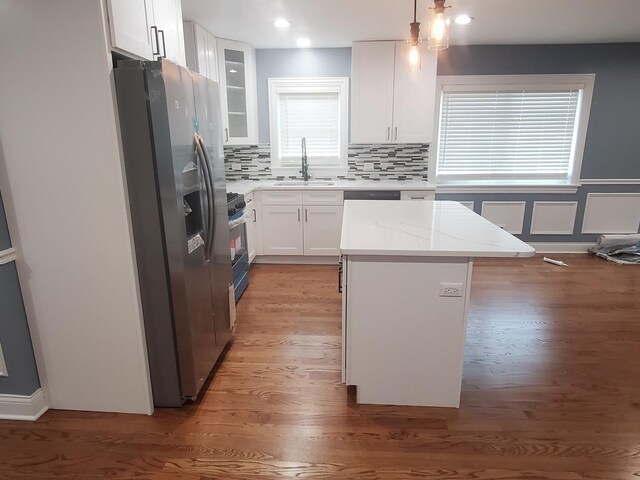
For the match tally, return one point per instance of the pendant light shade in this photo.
(413, 56)
(438, 27)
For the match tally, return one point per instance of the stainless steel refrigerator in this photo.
(172, 140)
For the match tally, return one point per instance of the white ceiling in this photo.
(337, 23)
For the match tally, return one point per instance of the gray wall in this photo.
(14, 332)
(612, 148)
(295, 62)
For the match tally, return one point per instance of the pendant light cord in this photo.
(415, 10)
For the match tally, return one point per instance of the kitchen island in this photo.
(406, 278)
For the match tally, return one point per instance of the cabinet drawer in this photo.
(288, 197)
(418, 195)
(323, 197)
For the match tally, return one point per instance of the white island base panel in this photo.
(403, 342)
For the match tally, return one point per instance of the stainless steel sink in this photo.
(302, 183)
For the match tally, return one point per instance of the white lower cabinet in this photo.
(322, 229)
(300, 222)
(294, 222)
(282, 230)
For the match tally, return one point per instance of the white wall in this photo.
(61, 176)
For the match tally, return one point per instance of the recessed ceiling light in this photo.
(233, 70)
(281, 23)
(463, 19)
(303, 42)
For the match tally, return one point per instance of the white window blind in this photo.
(315, 109)
(508, 132)
(311, 115)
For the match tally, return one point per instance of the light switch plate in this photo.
(3, 365)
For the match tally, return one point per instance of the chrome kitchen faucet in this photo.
(305, 161)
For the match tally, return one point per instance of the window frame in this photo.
(339, 85)
(471, 82)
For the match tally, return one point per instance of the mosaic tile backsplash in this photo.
(366, 162)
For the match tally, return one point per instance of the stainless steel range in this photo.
(238, 243)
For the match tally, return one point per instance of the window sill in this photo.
(506, 187)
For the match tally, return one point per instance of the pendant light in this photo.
(438, 34)
(414, 40)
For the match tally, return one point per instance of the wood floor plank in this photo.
(551, 390)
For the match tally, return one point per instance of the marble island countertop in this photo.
(425, 228)
(248, 186)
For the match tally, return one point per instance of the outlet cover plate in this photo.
(451, 289)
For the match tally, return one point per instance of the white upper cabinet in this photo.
(130, 24)
(390, 103)
(167, 16)
(201, 50)
(414, 96)
(372, 75)
(147, 29)
(237, 76)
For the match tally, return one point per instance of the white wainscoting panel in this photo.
(507, 215)
(612, 213)
(553, 218)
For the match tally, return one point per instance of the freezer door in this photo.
(184, 202)
(207, 102)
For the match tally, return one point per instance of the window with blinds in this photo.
(314, 116)
(509, 132)
(311, 108)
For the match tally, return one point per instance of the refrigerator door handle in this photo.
(209, 187)
(212, 209)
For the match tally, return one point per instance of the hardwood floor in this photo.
(551, 391)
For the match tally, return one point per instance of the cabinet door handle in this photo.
(388, 133)
(306, 219)
(164, 46)
(298, 214)
(340, 276)
(255, 216)
(226, 134)
(154, 32)
(395, 136)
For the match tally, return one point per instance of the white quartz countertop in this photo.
(248, 186)
(424, 228)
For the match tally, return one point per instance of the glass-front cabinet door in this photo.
(238, 91)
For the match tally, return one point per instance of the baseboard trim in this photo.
(23, 407)
(297, 260)
(559, 247)
(7, 256)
